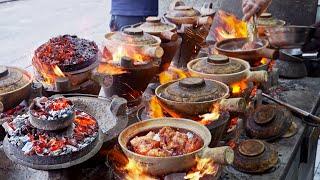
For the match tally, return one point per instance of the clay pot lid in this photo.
(264, 114)
(11, 79)
(251, 147)
(153, 25)
(266, 19)
(183, 11)
(132, 36)
(218, 64)
(194, 90)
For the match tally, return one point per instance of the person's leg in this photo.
(117, 22)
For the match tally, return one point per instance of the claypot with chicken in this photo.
(195, 96)
(179, 13)
(15, 86)
(225, 69)
(244, 49)
(167, 32)
(168, 145)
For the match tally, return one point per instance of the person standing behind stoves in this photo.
(128, 12)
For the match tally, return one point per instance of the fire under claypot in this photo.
(266, 20)
(234, 47)
(165, 165)
(167, 32)
(268, 122)
(195, 96)
(225, 69)
(130, 61)
(181, 14)
(254, 156)
(15, 86)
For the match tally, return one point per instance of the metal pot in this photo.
(194, 96)
(266, 20)
(288, 37)
(225, 69)
(166, 165)
(234, 48)
(180, 14)
(15, 86)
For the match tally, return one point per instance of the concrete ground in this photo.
(26, 24)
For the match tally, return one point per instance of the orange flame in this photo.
(238, 87)
(58, 71)
(135, 171)
(264, 61)
(228, 26)
(210, 117)
(155, 108)
(110, 69)
(172, 74)
(120, 51)
(205, 166)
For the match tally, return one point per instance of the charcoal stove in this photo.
(293, 63)
(64, 65)
(57, 157)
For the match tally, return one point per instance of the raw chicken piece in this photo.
(193, 144)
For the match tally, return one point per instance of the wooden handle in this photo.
(168, 35)
(258, 76)
(269, 53)
(233, 104)
(205, 20)
(222, 155)
(156, 51)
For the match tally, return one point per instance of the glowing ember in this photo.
(227, 26)
(264, 61)
(238, 87)
(110, 69)
(204, 167)
(172, 74)
(210, 117)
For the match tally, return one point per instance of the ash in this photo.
(34, 141)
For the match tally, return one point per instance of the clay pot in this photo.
(15, 86)
(166, 165)
(254, 156)
(267, 20)
(225, 69)
(194, 96)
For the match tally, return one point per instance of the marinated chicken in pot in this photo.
(166, 142)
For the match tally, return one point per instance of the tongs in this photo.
(308, 118)
(252, 29)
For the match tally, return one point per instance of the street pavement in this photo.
(26, 24)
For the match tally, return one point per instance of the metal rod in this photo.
(305, 114)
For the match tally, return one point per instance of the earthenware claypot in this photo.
(234, 48)
(181, 14)
(136, 40)
(225, 69)
(267, 20)
(194, 96)
(15, 86)
(254, 156)
(165, 165)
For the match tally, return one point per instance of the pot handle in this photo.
(118, 109)
(175, 3)
(233, 104)
(222, 155)
(258, 76)
(269, 53)
(205, 20)
(168, 35)
(153, 51)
